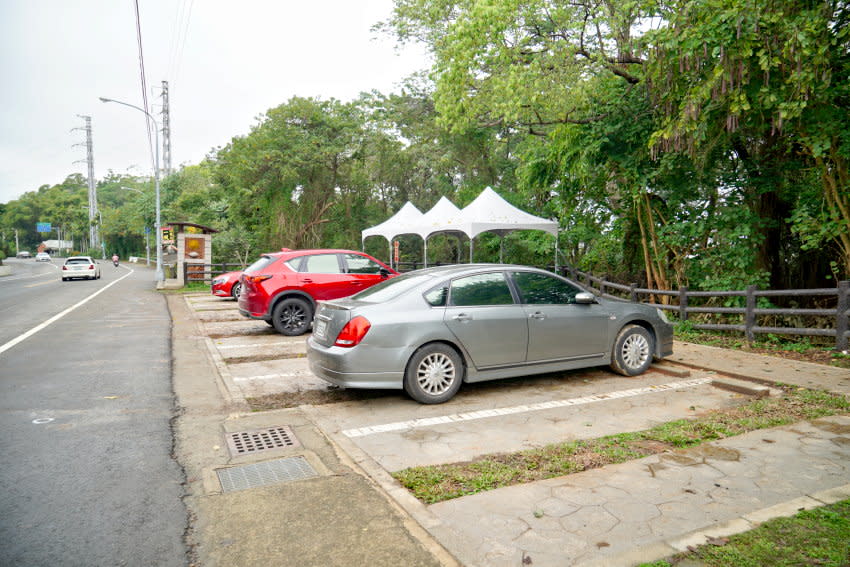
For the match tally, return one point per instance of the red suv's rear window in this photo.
(260, 264)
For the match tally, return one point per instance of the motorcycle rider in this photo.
(115, 260)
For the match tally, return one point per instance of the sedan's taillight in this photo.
(91, 266)
(353, 332)
(257, 279)
(64, 267)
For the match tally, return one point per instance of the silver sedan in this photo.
(430, 330)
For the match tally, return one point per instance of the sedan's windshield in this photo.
(391, 288)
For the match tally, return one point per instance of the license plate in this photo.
(320, 329)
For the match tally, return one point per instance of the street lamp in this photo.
(147, 229)
(159, 275)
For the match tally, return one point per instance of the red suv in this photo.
(282, 288)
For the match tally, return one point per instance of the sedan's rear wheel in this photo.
(633, 350)
(236, 290)
(434, 374)
(292, 317)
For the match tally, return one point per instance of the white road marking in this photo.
(269, 376)
(58, 316)
(252, 345)
(482, 414)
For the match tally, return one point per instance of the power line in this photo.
(144, 82)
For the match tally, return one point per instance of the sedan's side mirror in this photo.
(385, 273)
(585, 298)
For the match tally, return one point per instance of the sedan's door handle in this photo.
(537, 315)
(462, 317)
(307, 280)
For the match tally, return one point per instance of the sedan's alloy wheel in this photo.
(635, 351)
(436, 373)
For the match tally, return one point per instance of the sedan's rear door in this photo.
(484, 317)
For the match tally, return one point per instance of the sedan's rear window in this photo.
(78, 261)
(391, 288)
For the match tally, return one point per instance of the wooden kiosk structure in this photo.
(188, 247)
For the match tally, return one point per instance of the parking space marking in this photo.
(482, 414)
(269, 376)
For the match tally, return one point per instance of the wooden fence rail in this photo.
(751, 313)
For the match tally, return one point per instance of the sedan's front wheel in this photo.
(434, 374)
(236, 290)
(292, 317)
(632, 353)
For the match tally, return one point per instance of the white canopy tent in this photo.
(400, 223)
(439, 219)
(489, 212)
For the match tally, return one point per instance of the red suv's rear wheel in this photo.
(292, 317)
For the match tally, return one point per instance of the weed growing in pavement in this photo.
(433, 484)
(812, 537)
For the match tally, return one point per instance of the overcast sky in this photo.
(226, 62)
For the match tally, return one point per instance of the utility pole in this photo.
(94, 227)
(166, 130)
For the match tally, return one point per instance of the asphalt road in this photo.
(86, 474)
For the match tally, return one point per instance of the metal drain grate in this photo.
(265, 473)
(244, 442)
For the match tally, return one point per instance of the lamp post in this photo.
(147, 230)
(159, 274)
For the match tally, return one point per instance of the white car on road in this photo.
(42, 257)
(80, 267)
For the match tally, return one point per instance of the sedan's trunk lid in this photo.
(331, 317)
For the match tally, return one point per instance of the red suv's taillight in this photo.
(353, 332)
(256, 279)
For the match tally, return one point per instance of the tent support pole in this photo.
(471, 247)
(425, 252)
(557, 233)
(391, 255)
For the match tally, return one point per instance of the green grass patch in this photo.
(443, 482)
(812, 537)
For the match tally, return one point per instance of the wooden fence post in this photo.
(750, 316)
(633, 292)
(841, 315)
(683, 303)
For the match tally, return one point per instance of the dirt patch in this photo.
(264, 357)
(316, 398)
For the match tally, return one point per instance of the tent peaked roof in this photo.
(399, 223)
(489, 212)
(442, 217)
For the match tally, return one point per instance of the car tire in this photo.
(434, 374)
(236, 290)
(632, 351)
(292, 317)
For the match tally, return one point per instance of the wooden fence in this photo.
(682, 303)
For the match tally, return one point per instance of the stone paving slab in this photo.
(216, 315)
(595, 516)
(438, 434)
(237, 328)
(261, 346)
(255, 379)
